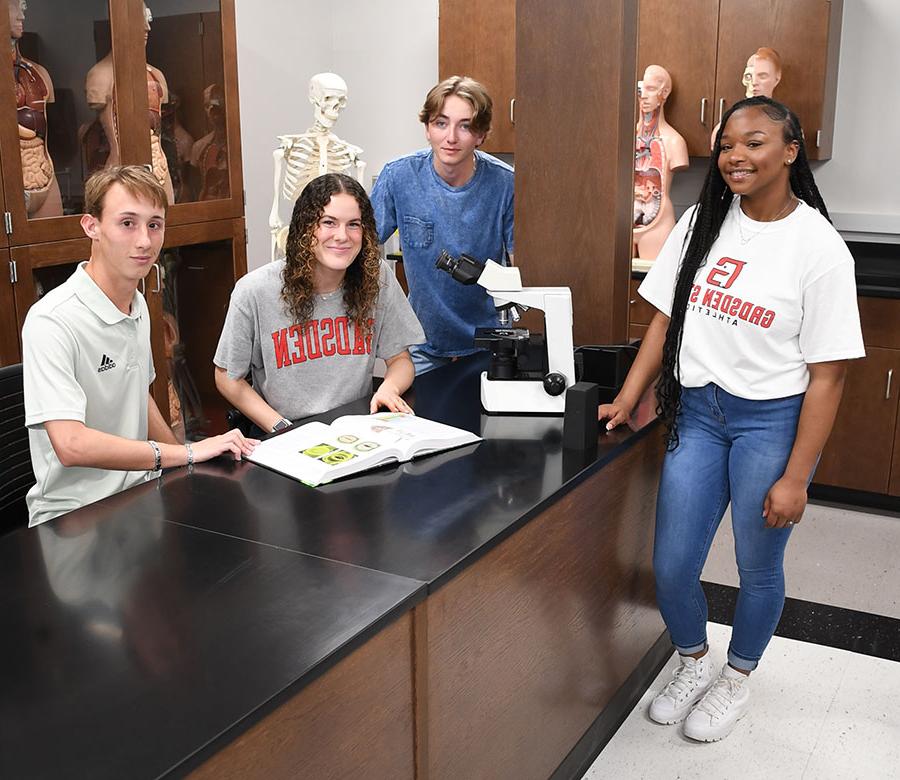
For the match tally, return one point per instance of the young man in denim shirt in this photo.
(448, 197)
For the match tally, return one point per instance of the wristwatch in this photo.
(281, 425)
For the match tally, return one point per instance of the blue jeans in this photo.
(730, 450)
(424, 362)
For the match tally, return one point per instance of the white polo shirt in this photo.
(85, 360)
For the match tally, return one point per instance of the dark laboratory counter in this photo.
(423, 519)
(192, 623)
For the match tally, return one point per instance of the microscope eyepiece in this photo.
(463, 269)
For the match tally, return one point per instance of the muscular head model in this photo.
(763, 72)
(761, 75)
(655, 88)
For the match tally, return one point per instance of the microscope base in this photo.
(519, 396)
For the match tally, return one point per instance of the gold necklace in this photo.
(744, 241)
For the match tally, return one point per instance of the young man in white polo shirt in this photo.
(94, 429)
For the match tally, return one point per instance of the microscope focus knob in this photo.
(554, 383)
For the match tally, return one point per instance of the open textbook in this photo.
(317, 453)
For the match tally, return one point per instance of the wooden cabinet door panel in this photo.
(681, 37)
(478, 39)
(894, 484)
(880, 318)
(799, 31)
(9, 328)
(640, 312)
(573, 211)
(858, 453)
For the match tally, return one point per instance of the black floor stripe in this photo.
(821, 624)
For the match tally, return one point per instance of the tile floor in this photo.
(818, 713)
(843, 557)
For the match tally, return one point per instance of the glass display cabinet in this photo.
(100, 82)
(104, 81)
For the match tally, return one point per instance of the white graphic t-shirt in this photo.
(771, 298)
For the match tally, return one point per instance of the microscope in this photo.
(528, 372)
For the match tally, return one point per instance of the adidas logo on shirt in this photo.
(105, 364)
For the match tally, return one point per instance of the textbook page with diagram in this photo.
(317, 453)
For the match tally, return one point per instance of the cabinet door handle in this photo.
(703, 102)
(512, 111)
(158, 278)
(721, 109)
(887, 389)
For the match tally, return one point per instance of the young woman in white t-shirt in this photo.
(757, 317)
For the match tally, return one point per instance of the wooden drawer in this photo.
(880, 319)
(639, 311)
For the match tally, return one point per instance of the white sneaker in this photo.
(723, 705)
(691, 680)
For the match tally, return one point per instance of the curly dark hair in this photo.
(712, 207)
(361, 279)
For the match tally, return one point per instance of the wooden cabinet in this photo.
(201, 262)
(9, 333)
(863, 452)
(639, 312)
(574, 197)
(477, 38)
(682, 38)
(179, 115)
(194, 135)
(704, 44)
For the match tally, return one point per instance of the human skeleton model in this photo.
(33, 91)
(761, 76)
(301, 158)
(659, 151)
(100, 92)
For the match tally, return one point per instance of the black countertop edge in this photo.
(243, 724)
(605, 458)
(877, 291)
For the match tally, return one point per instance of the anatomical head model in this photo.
(763, 72)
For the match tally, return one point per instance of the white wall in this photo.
(386, 51)
(277, 53)
(861, 183)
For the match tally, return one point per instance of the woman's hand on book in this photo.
(389, 398)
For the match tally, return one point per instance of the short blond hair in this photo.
(469, 90)
(136, 179)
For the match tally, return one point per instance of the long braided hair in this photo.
(361, 278)
(703, 230)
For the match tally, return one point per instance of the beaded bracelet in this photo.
(190, 454)
(157, 465)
